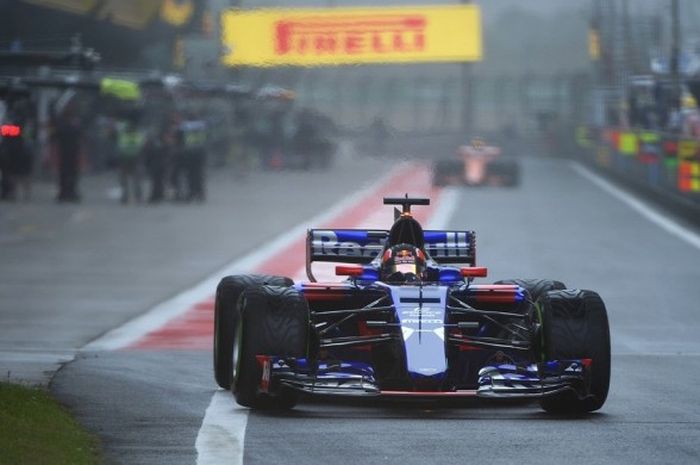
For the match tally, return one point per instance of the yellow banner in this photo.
(343, 36)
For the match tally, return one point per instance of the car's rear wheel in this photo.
(444, 170)
(272, 321)
(575, 326)
(225, 316)
(507, 171)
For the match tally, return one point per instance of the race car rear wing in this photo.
(361, 246)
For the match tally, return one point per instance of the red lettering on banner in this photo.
(351, 35)
(325, 44)
(353, 43)
(378, 45)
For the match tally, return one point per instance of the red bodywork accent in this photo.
(474, 272)
(495, 293)
(324, 291)
(349, 270)
(468, 348)
(587, 362)
(265, 362)
(465, 393)
(364, 330)
(10, 130)
(322, 295)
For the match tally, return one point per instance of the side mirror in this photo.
(474, 272)
(354, 271)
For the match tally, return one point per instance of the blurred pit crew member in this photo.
(131, 141)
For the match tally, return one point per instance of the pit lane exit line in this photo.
(651, 214)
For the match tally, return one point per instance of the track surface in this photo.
(148, 404)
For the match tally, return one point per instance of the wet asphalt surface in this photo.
(147, 406)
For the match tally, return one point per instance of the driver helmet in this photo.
(478, 143)
(403, 262)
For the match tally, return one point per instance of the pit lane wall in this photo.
(662, 163)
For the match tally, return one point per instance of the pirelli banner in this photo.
(345, 36)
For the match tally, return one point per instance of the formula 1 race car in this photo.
(408, 323)
(478, 165)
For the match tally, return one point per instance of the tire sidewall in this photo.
(264, 313)
(575, 326)
(228, 293)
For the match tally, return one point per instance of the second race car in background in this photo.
(477, 164)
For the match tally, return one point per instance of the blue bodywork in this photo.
(440, 335)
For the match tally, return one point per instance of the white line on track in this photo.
(447, 203)
(656, 217)
(222, 434)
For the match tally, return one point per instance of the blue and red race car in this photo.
(408, 322)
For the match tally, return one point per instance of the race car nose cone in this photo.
(431, 383)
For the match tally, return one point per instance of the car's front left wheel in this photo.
(272, 321)
(225, 316)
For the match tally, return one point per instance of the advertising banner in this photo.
(344, 36)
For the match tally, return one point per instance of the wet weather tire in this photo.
(575, 325)
(444, 170)
(272, 321)
(225, 316)
(507, 170)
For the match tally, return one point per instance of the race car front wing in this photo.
(505, 381)
(535, 380)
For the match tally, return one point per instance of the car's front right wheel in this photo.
(575, 326)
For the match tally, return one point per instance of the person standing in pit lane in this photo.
(178, 171)
(131, 141)
(194, 137)
(157, 153)
(68, 139)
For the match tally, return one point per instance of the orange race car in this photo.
(478, 164)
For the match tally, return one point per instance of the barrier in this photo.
(663, 162)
